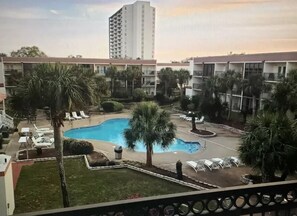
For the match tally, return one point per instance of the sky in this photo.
(184, 28)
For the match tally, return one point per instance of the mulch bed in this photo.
(167, 173)
(46, 152)
(202, 132)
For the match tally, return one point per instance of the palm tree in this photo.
(233, 80)
(150, 125)
(254, 86)
(124, 75)
(183, 77)
(112, 73)
(168, 78)
(134, 72)
(222, 85)
(61, 88)
(270, 144)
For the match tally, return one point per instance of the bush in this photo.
(1, 141)
(121, 94)
(78, 147)
(112, 106)
(162, 99)
(138, 94)
(184, 102)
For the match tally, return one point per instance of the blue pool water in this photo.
(112, 131)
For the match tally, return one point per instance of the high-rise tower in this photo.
(132, 31)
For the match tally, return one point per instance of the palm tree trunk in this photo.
(225, 97)
(132, 86)
(112, 86)
(230, 105)
(165, 90)
(59, 158)
(126, 85)
(149, 152)
(193, 124)
(266, 170)
(254, 106)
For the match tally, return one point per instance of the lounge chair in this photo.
(200, 121)
(42, 143)
(82, 114)
(75, 116)
(196, 165)
(211, 165)
(43, 131)
(182, 116)
(223, 163)
(40, 129)
(68, 116)
(235, 160)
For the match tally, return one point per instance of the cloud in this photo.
(54, 12)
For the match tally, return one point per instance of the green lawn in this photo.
(38, 187)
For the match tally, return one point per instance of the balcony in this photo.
(197, 86)
(198, 73)
(148, 84)
(272, 77)
(148, 73)
(278, 198)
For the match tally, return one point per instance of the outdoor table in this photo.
(23, 141)
(25, 130)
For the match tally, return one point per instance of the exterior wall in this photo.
(275, 66)
(132, 31)
(7, 204)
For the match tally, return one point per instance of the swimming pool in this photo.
(112, 131)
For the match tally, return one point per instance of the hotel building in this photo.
(272, 66)
(132, 32)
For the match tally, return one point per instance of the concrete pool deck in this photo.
(224, 144)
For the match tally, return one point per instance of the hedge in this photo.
(77, 147)
(112, 106)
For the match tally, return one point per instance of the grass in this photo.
(38, 187)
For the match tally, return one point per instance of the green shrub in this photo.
(1, 141)
(67, 144)
(162, 99)
(184, 102)
(121, 94)
(138, 94)
(112, 106)
(78, 147)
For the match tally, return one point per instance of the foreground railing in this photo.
(267, 199)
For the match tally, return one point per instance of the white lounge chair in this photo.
(40, 129)
(222, 162)
(82, 114)
(182, 116)
(196, 165)
(200, 121)
(211, 165)
(75, 116)
(235, 160)
(68, 116)
(42, 143)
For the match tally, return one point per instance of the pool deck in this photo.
(224, 144)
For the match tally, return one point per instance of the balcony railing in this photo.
(272, 76)
(278, 198)
(198, 73)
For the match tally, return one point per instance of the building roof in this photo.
(259, 57)
(77, 60)
(173, 64)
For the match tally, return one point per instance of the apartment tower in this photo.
(132, 32)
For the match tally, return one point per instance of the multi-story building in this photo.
(273, 66)
(12, 69)
(132, 31)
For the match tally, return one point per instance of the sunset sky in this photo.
(184, 28)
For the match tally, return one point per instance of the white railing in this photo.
(6, 120)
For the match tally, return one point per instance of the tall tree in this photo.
(150, 125)
(28, 52)
(254, 86)
(134, 73)
(168, 79)
(61, 88)
(112, 73)
(183, 77)
(124, 76)
(3, 55)
(270, 144)
(233, 80)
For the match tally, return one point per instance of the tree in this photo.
(124, 75)
(3, 55)
(167, 79)
(270, 144)
(183, 77)
(112, 73)
(61, 88)
(134, 72)
(254, 86)
(101, 86)
(233, 80)
(150, 125)
(28, 52)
